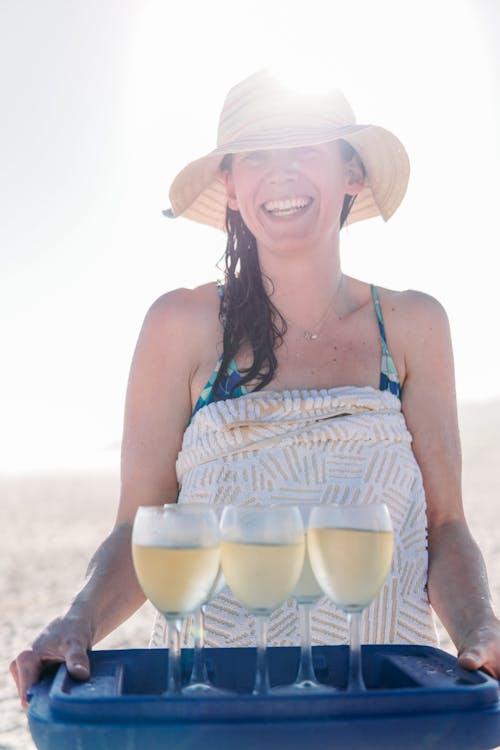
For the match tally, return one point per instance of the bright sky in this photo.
(105, 100)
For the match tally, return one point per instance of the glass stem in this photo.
(305, 675)
(355, 678)
(199, 674)
(262, 686)
(174, 657)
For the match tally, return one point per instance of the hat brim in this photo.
(198, 192)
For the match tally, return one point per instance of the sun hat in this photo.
(261, 113)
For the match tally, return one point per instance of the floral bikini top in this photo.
(230, 385)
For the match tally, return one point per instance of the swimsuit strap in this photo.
(229, 386)
(389, 378)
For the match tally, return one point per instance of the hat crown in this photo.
(261, 105)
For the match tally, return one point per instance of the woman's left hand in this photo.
(481, 649)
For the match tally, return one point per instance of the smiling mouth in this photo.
(287, 206)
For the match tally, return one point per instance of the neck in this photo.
(302, 286)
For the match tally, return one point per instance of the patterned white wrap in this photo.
(342, 445)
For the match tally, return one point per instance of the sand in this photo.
(51, 523)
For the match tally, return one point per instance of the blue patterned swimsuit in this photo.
(230, 385)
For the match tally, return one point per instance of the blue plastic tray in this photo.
(417, 697)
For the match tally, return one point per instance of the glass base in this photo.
(304, 687)
(203, 690)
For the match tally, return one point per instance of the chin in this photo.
(289, 245)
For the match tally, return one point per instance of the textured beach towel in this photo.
(342, 445)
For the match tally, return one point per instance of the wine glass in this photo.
(262, 553)
(176, 555)
(351, 548)
(199, 682)
(306, 593)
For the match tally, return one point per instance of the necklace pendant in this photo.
(310, 336)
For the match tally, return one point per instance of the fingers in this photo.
(470, 659)
(481, 658)
(77, 663)
(26, 670)
(481, 649)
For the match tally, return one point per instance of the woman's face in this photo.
(290, 198)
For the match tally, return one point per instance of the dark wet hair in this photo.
(246, 312)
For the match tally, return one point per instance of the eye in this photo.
(307, 152)
(255, 157)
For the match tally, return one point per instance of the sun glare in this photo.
(311, 78)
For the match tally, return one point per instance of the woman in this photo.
(324, 388)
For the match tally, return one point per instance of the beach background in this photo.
(104, 101)
(52, 522)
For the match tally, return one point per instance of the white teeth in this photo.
(286, 206)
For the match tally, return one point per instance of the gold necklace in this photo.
(314, 332)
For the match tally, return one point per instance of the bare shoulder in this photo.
(182, 305)
(184, 315)
(413, 312)
(411, 302)
(417, 332)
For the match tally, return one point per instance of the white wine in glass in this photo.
(351, 550)
(262, 554)
(176, 555)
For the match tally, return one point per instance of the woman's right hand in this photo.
(65, 640)
(110, 594)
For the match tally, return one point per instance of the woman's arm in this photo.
(457, 584)
(158, 406)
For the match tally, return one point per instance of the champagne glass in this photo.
(262, 553)
(176, 555)
(351, 548)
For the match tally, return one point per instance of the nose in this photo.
(283, 166)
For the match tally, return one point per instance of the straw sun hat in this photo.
(261, 113)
